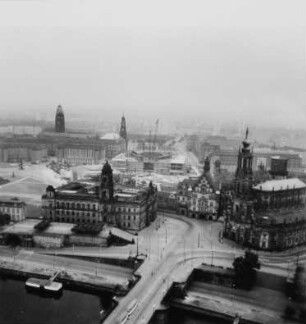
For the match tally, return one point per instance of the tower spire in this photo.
(123, 131)
(244, 172)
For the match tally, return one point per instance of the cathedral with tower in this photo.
(268, 215)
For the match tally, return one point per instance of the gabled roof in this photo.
(278, 185)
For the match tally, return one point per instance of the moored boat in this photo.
(52, 286)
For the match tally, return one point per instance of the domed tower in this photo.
(244, 173)
(59, 120)
(106, 185)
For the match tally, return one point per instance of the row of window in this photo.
(78, 220)
(74, 206)
(10, 210)
(125, 224)
(68, 213)
(128, 217)
(124, 209)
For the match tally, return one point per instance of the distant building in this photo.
(150, 162)
(113, 144)
(269, 215)
(196, 197)
(16, 151)
(14, 207)
(45, 234)
(81, 152)
(73, 147)
(59, 120)
(130, 209)
(228, 159)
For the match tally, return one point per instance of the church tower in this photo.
(206, 168)
(244, 174)
(106, 185)
(123, 131)
(59, 120)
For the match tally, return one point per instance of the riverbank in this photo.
(66, 280)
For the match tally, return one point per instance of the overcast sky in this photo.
(239, 59)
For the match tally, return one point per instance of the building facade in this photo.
(73, 147)
(14, 207)
(269, 215)
(81, 152)
(196, 197)
(16, 152)
(129, 209)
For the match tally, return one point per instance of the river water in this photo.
(17, 306)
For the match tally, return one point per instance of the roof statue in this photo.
(246, 133)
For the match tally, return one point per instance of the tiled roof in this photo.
(278, 185)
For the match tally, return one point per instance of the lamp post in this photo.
(211, 246)
(136, 234)
(212, 258)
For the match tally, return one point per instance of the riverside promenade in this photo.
(75, 271)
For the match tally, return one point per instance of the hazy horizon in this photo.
(212, 60)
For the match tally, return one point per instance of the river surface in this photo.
(19, 306)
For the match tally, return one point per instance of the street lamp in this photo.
(212, 258)
(136, 234)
